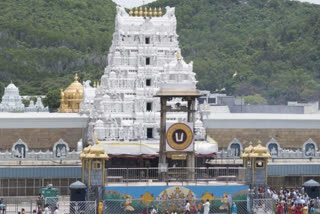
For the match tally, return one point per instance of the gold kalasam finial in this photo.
(131, 12)
(178, 55)
(61, 94)
(145, 12)
(160, 12)
(259, 142)
(76, 78)
(136, 13)
(96, 139)
(140, 12)
(155, 13)
(150, 12)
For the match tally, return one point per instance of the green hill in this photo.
(43, 42)
(273, 46)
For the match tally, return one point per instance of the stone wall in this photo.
(287, 138)
(43, 139)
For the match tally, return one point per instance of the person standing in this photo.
(187, 208)
(56, 210)
(153, 210)
(280, 208)
(46, 209)
(206, 207)
(299, 209)
(234, 209)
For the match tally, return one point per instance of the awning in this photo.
(151, 149)
(311, 183)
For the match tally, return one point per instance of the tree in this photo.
(52, 100)
(256, 99)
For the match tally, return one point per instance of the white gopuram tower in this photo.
(11, 100)
(144, 50)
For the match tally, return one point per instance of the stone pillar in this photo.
(191, 155)
(162, 149)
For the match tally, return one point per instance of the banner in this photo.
(179, 137)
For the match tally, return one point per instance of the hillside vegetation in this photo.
(265, 48)
(43, 42)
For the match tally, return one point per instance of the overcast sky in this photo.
(132, 3)
(311, 1)
(137, 3)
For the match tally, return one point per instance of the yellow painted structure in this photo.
(146, 12)
(256, 158)
(71, 98)
(93, 158)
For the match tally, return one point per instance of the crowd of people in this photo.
(41, 207)
(294, 201)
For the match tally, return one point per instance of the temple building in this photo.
(124, 113)
(12, 102)
(71, 98)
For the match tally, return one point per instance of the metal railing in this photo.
(71, 207)
(177, 174)
(16, 204)
(196, 206)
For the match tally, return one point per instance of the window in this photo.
(147, 40)
(259, 164)
(96, 165)
(212, 100)
(149, 132)
(148, 82)
(147, 60)
(149, 106)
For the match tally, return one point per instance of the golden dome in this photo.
(247, 150)
(259, 148)
(259, 151)
(74, 87)
(71, 97)
(86, 151)
(96, 152)
(96, 149)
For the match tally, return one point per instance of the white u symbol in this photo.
(179, 137)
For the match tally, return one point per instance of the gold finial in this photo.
(145, 11)
(61, 94)
(259, 142)
(136, 13)
(96, 139)
(140, 12)
(150, 12)
(155, 13)
(160, 12)
(178, 55)
(76, 78)
(131, 12)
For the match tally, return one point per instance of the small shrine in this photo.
(94, 160)
(11, 100)
(255, 159)
(71, 98)
(93, 165)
